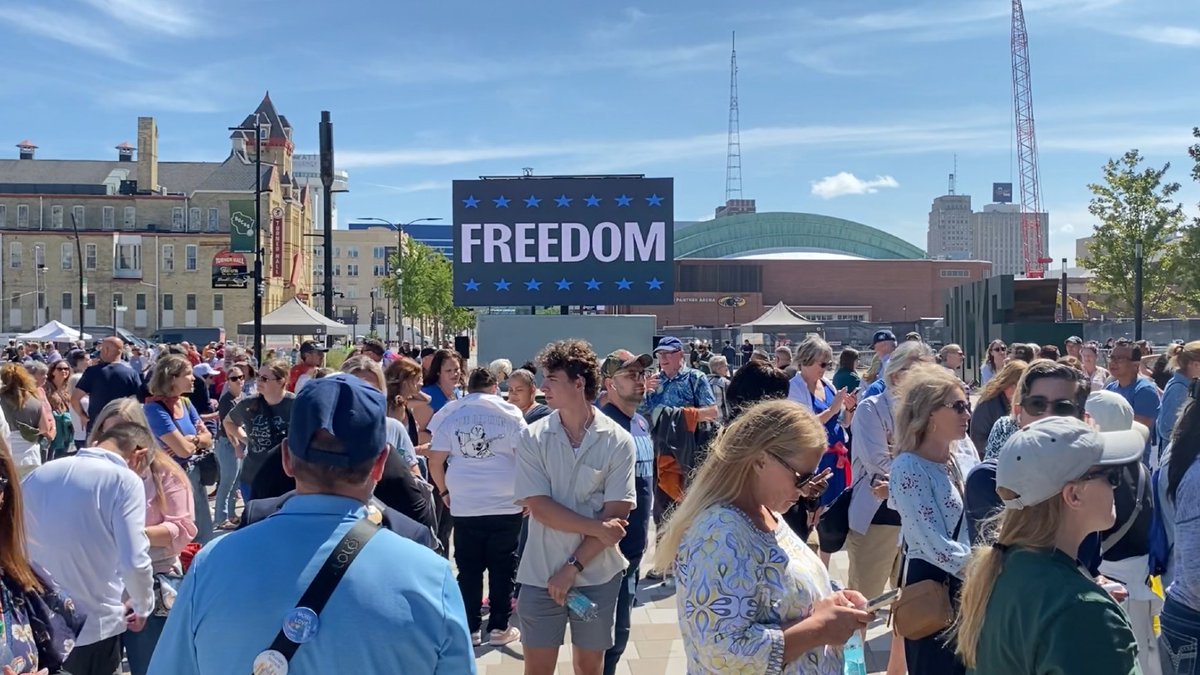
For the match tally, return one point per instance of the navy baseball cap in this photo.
(669, 344)
(883, 336)
(345, 406)
(1074, 340)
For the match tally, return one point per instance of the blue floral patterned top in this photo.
(738, 586)
(39, 627)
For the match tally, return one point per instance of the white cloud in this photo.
(845, 183)
(408, 188)
(1177, 36)
(66, 28)
(167, 17)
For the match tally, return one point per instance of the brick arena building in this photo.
(883, 278)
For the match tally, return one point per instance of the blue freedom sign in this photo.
(564, 241)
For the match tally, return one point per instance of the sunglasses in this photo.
(1038, 405)
(802, 479)
(1112, 474)
(236, 378)
(66, 368)
(959, 407)
(264, 378)
(1000, 349)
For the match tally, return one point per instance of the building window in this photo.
(218, 302)
(352, 292)
(337, 270)
(68, 255)
(264, 132)
(14, 255)
(66, 301)
(190, 299)
(168, 301)
(127, 257)
(22, 216)
(194, 220)
(56, 217)
(190, 254)
(337, 251)
(177, 219)
(381, 270)
(130, 217)
(89, 301)
(140, 301)
(3, 215)
(77, 213)
(168, 258)
(89, 256)
(108, 218)
(379, 252)
(214, 220)
(118, 299)
(351, 251)
(954, 274)
(352, 270)
(39, 256)
(318, 251)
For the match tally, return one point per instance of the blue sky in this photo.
(886, 91)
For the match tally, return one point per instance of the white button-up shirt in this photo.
(85, 521)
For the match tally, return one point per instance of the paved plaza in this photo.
(655, 647)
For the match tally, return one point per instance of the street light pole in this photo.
(258, 251)
(400, 266)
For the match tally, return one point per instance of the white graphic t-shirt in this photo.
(481, 432)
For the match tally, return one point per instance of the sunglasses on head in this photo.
(1038, 405)
(959, 406)
(1112, 474)
(802, 479)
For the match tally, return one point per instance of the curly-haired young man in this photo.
(575, 474)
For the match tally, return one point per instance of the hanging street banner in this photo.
(564, 241)
(241, 225)
(277, 242)
(229, 270)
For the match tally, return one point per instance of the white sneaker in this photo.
(499, 638)
(476, 638)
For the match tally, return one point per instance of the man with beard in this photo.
(625, 380)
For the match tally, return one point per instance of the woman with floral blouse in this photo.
(933, 418)
(752, 596)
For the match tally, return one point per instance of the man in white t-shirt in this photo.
(477, 436)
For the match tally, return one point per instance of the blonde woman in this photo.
(753, 596)
(1027, 608)
(27, 416)
(1185, 361)
(933, 417)
(170, 522)
(995, 402)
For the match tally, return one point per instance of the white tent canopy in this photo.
(295, 318)
(780, 318)
(54, 332)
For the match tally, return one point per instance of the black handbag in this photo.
(210, 471)
(834, 525)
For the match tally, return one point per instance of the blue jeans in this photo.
(1178, 640)
(226, 498)
(204, 522)
(139, 647)
(625, 600)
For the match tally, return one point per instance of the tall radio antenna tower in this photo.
(733, 159)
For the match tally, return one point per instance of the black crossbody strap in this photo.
(323, 585)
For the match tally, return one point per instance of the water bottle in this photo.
(581, 606)
(854, 656)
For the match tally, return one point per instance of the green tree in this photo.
(1189, 245)
(426, 281)
(1134, 205)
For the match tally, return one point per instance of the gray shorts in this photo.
(544, 621)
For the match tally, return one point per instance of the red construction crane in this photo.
(1027, 155)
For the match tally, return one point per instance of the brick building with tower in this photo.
(149, 232)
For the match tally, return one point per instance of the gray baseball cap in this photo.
(1039, 460)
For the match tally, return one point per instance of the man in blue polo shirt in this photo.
(625, 380)
(242, 590)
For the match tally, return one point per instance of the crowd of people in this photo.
(189, 510)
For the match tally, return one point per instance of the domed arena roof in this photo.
(750, 233)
